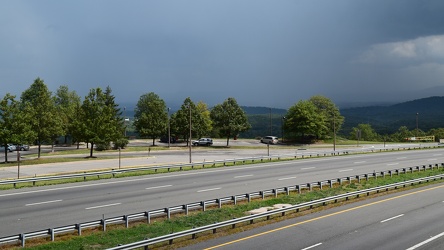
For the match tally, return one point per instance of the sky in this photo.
(261, 52)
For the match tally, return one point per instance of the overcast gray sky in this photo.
(269, 53)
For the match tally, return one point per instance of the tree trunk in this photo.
(91, 150)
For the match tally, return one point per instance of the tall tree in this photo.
(45, 120)
(151, 116)
(13, 123)
(229, 118)
(304, 118)
(364, 132)
(66, 102)
(180, 121)
(332, 116)
(205, 124)
(101, 119)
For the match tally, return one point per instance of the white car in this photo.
(269, 140)
(10, 148)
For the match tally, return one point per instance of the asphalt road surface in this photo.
(39, 208)
(406, 220)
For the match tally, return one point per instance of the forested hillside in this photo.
(387, 119)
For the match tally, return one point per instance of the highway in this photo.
(405, 220)
(33, 209)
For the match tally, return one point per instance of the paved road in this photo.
(44, 207)
(406, 220)
(162, 157)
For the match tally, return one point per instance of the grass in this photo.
(117, 234)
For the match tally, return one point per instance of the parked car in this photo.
(10, 148)
(22, 147)
(203, 142)
(269, 140)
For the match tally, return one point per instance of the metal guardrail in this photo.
(115, 172)
(202, 205)
(250, 219)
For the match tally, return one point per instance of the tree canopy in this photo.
(229, 118)
(151, 116)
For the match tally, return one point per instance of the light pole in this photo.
(334, 132)
(189, 141)
(417, 124)
(271, 127)
(283, 124)
(169, 129)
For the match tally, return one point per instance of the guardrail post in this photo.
(287, 190)
(234, 199)
(79, 229)
(298, 187)
(167, 211)
(331, 183)
(219, 203)
(340, 181)
(366, 177)
(359, 178)
(185, 207)
(309, 186)
(248, 198)
(22, 239)
(103, 225)
(126, 221)
(51, 232)
(148, 217)
(202, 203)
(262, 194)
(275, 192)
(320, 184)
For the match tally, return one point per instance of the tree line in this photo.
(40, 116)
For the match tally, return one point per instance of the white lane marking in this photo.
(158, 187)
(44, 202)
(307, 168)
(431, 160)
(210, 189)
(346, 170)
(315, 245)
(243, 176)
(400, 158)
(357, 162)
(393, 164)
(107, 205)
(426, 241)
(287, 178)
(389, 219)
(437, 154)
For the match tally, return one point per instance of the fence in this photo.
(202, 205)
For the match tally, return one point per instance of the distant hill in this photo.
(388, 119)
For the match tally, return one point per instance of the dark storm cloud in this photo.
(263, 53)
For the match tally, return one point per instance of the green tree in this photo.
(205, 124)
(44, 118)
(304, 118)
(151, 116)
(364, 132)
(437, 132)
(229, 118)
(180, 121)
(101, 119)
(67, 102)
(13, 123)
(332, 116)
(402, 134)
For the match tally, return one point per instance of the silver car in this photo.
(269, 140)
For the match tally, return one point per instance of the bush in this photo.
(120, 143)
